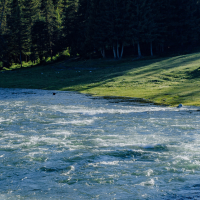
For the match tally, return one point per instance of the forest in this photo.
(33, 30)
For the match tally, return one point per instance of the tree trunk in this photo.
(151, 48)
(41, 58)
(51, 54)
(103, 52)
(162, 47)
(114, 51)
(139, 50)
(122, 51)
(117, 50)
(21, 58)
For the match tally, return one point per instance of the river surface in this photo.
(74, 146)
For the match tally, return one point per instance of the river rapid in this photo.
(74, 146)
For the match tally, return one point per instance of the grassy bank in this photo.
(167, 81)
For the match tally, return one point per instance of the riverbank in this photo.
(168, 81)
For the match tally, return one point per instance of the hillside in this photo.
(168, 81)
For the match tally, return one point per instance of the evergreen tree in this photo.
(5, 56)
(139, 12)
(83, 29)
(1, 48)
(118, 27)
(162, 19)
(151, 32)
(39, 40)
(15, 32)
(30, 13)
(43, 28)
(49, 18)
(100, 26)
(68, 24)
(2, 6)
(191, 22)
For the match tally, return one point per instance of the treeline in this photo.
(37, 29)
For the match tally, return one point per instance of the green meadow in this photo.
(168, 81)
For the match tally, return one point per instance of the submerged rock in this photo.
(180, 105)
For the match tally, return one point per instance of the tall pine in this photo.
(15, 31)
(68, 24)
(49, 17)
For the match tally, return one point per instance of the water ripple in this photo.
(73, 146)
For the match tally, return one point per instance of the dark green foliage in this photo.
(100, 27)
(32, 29)
(2, 47)
(39, 40)
(84, 29)
(2, 6)
(49, 17)
(15, 34)
(68, 24)
(117, 25)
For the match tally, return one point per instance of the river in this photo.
(74, 146)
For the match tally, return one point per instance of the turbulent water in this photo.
(73, 146)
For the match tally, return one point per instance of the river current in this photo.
(74, 146)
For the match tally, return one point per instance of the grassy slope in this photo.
(168, 81)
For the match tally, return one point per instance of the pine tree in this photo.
(190, 26)
(117, 25)
(39, 40)
(83, 27)
(15, 31)
(49, 18)
(139, 11)
(1, 49)
(100, 26)
(2, 6)
(151, 29)
(68, 24)
(5, 56)
(30, 14)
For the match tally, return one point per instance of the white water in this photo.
(73, 146)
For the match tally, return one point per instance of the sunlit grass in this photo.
(58, 56)
(167, 81)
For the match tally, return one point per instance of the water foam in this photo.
(71, 140)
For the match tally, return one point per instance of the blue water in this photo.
(74, 146)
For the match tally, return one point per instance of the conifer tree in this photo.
(30, 13)
(152, 30)
(100, 26)
(83, 29)
(39, 40)
(49, 17)
(42, 28)
(117, 25)
(2, 6)
(68, 24)
(190, 24)
(15, 31)
(139, 11)
(1, 48)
